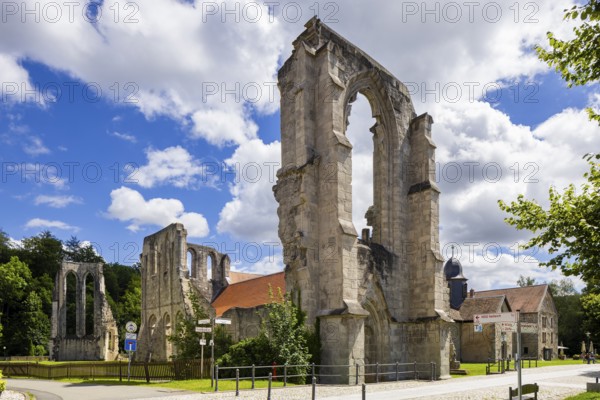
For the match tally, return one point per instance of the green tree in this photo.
(129, 307)
(564, 287)
(185, 339)
(577, 60)
(35, 325)
(42, 253)
(525, 281)
(283, 339)
(569, 228)
(77, 252)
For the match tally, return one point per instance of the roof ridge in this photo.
(256, 277)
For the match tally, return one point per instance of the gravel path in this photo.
(10, 395)
(555, 383)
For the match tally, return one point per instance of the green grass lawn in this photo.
(584, 396)
(479, 368)
(194, 385)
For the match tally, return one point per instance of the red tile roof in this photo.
(527, 299)
(249, 293)
(235, 277)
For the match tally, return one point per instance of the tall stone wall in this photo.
(384, 297)
(167, 283)
(103, 342)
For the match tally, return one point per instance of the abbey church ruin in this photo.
(379, 297)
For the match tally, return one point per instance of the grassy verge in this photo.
(194, 385)
(475, 369)
(584, 396)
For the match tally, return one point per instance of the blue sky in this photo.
(163, 112)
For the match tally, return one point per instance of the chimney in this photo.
(472, 293)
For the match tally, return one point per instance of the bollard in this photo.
(314, 388)
(377, 372)
(357, 372)
(432, 371)
(313, 370)
(285, 375)
(415, 370)
(216, 378)
(269, 387)
(253, 375)
(364, 392)
(397, 365)
(237, 382)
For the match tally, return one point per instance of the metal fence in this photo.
(156, 371)
(313, 373)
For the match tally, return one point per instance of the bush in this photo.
(575, 356)
(2, 384)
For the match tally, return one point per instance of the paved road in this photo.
(52, 390)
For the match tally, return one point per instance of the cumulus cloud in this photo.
(129, 205)
(47, 224)
(124, 136)
(57, 201)
(252, 213)
(174, 166)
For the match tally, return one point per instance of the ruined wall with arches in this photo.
(171, 268)
(382, 295)
(83, 327)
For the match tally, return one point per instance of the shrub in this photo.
(2, 384)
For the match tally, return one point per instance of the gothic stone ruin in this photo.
(381, 298)
(166, 285)
(76, 340)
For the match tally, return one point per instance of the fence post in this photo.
(357, 372)
(364, 391)
(253, 375)
(432, 371)
(269, 387)
(147, 371)
(120, 373)
(313, 370)
(377, 372)
(415, 370)
(217, 378)
(314, 388)
(237, 382)
(285, 375)
(397, 366)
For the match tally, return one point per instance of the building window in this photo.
(543, 337)
(543, 322)
(525, 350)
(551, 338)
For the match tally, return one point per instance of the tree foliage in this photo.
(569, 228)
(283, 339)
(577, 60)
(525, 281)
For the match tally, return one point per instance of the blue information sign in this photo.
(130, 345)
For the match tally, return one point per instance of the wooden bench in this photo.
(528, 391)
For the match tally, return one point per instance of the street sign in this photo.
(201, 329)
(202, 342)
(203, 321)
(130, 345)
(211, 343)
(478, 328)
(223, 321)
(528, 327)
(129, 335)
(508, 326)
(492, 318)
(131, 327)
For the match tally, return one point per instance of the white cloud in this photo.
(128, 205)
(174, 166)
(252, 213)
(267, 265)
(47, 224)
(34, 146)
(15, 81)
(57, 201)
(124, 136)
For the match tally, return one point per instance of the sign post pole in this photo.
(202, 341)
(519, 365)
(129, 366)
(212, 353)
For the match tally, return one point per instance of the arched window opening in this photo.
(210, 263)
(189, 264)
(360, 122)
(89, 304)
(71, 304)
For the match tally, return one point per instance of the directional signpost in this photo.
(130, 343)
(509, 322)
(211, 330)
